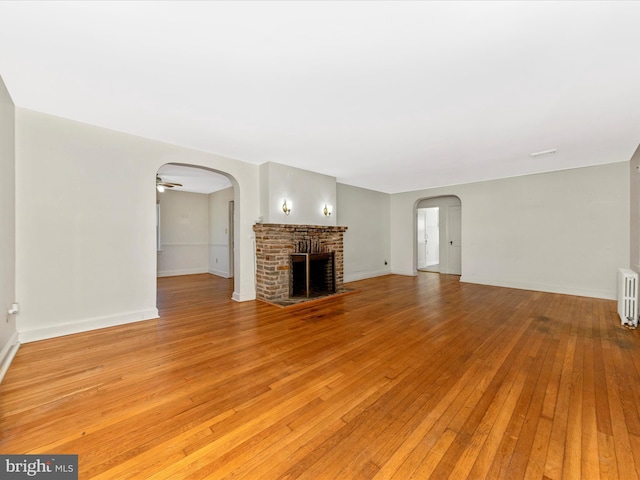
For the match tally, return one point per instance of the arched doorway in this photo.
(438, 239)
(195, 213)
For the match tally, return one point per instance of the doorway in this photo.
(195, 227)
(428, 229)
(439, 235)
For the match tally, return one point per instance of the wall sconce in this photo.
(327, 210)
(286, 208)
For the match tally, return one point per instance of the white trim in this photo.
(243, 297)
(354, 277)
(219, 273)
(8, 352)
(185, 244)
(86, 325)
(410, 273)
(186, 271)
(541, 288)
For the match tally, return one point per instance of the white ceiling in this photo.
(392, 96)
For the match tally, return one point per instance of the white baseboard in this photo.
(243, 297)
(60, 330)
(540, 288)
(186, 271)
(219, 273)
(410, 273)
(354, 277)
(8, 352)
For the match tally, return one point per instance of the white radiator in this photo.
(628, 296)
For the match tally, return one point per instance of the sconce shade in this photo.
(327, 210)
(286, 208)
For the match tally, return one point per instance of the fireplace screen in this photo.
(312, 274)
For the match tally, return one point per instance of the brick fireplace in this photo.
(278, 246)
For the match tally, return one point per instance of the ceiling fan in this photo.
(160, 185)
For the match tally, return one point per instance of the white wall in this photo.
(8, 331)
(366, 213)
(634, 205)
(564, 232)
(184, 233)
(219, 233)
(308, 191)
(85, 224)
(195, 233)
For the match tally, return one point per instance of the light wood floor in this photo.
(410, 377)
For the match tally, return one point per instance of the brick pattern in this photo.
(276, 242)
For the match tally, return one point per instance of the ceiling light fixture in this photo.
(162, 185)
(543, 152)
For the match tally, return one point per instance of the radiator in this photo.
(628, 297)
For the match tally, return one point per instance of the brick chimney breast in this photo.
(276, 242)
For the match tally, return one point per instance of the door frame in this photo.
(443, 202)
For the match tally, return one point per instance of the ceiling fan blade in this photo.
(166, 184)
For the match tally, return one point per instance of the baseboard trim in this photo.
(409, 273)
(8, 352)
(60, 330)
(186, 271)
(354, 277)
(243, 297)
(540, 288)
(219, 273)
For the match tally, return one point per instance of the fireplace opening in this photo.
(312, 274)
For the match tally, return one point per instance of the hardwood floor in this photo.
(409, 377)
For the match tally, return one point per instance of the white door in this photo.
(454, 239)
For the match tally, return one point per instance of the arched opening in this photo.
(195, 221)
(438, 235)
